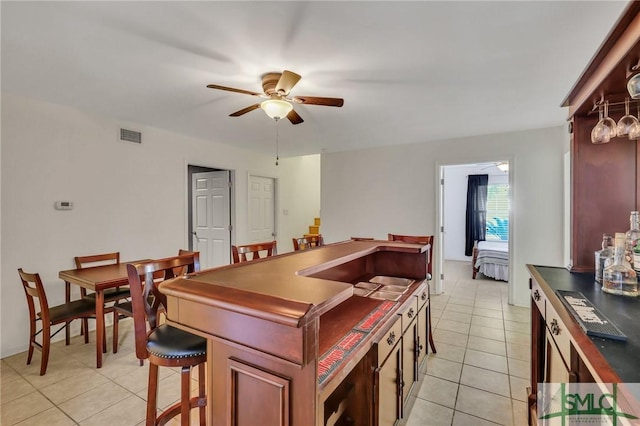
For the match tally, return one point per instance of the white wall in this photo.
(128, 198)
(299, 198)
(455, 204)
(393, 189)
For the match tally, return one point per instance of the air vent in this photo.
(130, 136)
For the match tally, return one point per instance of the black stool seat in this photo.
(172, 343)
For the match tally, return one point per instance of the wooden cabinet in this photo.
(605, 178)
(423, 327)
(401, 356)
(409, 354)
(388, 377)
(556, 370)
(561, 352)
(273, 405)
(290, 344)
(550, 345)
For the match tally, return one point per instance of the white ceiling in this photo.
(408, 71)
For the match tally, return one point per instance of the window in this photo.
(497, 212)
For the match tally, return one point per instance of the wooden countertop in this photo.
(279, 288)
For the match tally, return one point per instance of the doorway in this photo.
(451, 212)
(210, 215)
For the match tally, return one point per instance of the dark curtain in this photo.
(476, 222)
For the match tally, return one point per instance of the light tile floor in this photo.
(478, 376)
(480, 373)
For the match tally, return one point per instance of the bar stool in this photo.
(164, 345)
(124, 309)
(307, 242)
(240, 252)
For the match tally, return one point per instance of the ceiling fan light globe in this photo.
(276, 108)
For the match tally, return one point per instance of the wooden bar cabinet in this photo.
(291, 341)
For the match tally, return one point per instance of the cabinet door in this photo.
(556, 370)
(409, 361)
(388, 378)
(246, 382)
(423, 329)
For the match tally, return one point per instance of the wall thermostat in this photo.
(64, 205)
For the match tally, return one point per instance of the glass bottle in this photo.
(619, 277)
(631, 239)
(601, 256)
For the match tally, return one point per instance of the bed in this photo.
(491, 259)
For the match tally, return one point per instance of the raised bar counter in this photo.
(290, 344)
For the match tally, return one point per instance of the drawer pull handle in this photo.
(555, 328)
(391, 339)
(424, 295)
(410, 313)
(536, 296)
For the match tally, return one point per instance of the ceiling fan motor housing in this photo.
(269, 83)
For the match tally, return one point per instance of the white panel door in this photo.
(211, 217)
(261, 209)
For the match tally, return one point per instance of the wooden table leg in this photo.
(99, 327)
(67, 299)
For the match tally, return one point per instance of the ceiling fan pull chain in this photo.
(277, 156)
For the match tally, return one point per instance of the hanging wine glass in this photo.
(605, 129)
(595, 132)
(627, 122)
(634, 132)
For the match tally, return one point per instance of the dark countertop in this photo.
(624, 312)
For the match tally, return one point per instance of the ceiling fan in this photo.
(278, 103)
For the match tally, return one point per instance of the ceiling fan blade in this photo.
(288, 79)
(314, 100)
(244, 110)
(231, 89)
(294, 118)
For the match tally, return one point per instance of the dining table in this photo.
(98, 279)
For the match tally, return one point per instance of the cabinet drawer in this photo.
(558, 332)
(389, 340)
(423, 295)
(409, 312)
(538, 297)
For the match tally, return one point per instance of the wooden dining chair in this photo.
(124, 309)
(49, 316)
(162, 344)
(308, 242)
(110, 295)
(240, 252)
(421, 239)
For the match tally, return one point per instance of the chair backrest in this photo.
(416, 239)
(240, 252)
(97, 259)
(307, 242)
(146, 299)
(196, 266)
(33, 288)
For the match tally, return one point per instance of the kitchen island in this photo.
(294, 339)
